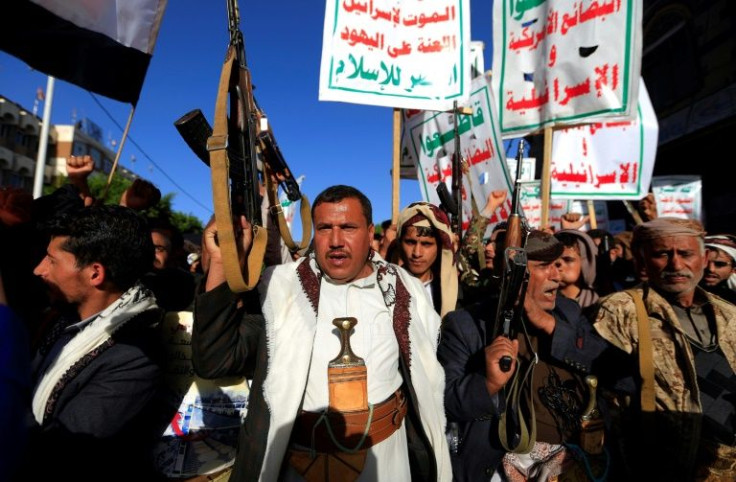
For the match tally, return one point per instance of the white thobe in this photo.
(373, 340)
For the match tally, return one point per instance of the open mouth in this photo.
(337, 257)
(550, 294)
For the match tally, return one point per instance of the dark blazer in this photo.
(107, 413)
(227, 341)
(467, 401)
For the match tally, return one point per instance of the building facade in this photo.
(20, 132)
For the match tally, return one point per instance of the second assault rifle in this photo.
(517, 425)
(514, 277)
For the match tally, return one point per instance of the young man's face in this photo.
(162, 249)
(544, 280)
(490, 250)
(342, 240)
(570, 266)
(418, 249)
(719, 267)
(58, 269)
(674, 264)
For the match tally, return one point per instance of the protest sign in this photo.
(429, 137)
(606, 160)
(531, 203)
(561, 62)
(678, 196)
(413, 54)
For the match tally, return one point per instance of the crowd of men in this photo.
(415, 355)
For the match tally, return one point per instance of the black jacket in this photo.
(467, 401)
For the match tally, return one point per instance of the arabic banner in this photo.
(531, 203)
(409, 54)
(430, 138)
(606, 160)
(560, 62)
(678, 196)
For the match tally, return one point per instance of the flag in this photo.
(103, 46)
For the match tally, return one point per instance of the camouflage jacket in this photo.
(676, 387)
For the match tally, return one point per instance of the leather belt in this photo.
(311, 428)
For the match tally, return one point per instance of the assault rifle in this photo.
(195, 130)
(514, 277)
(231, 150)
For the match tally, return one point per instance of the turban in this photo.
(423, 214)
(726, 244)
(666, 227)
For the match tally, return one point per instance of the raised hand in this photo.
(140, 195)
(78, 168)
(495, 200)
(573, 221)
(212, 262)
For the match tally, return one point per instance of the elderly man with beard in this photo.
(677, 419)
(552, 356)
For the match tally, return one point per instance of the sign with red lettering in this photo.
(678, 196)
(429, 139)
(409, 54)
(606, 160)
(563, 62)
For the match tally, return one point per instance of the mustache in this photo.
(681, 273)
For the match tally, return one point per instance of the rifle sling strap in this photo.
(220, 165)
(646, 353)
(520, 402)
(304, 211)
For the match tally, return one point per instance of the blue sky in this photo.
(327, 142)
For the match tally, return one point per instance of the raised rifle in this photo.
(457, 179)
(231, 150)
(514, 277)
(195, 130)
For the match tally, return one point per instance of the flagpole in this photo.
(117, 154)
(43, 140)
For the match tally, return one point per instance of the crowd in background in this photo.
(85, 289)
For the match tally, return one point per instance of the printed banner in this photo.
(531, 203)
(606, 160)
(430, 138)
(560, 62)
(678, 196)
(407, 54)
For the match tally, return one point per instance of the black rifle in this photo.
(514, 270)
(447, 203)
(242, 124)
(195, 130)
(457, 178)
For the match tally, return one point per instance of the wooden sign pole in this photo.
(395, 172)
(545, 177)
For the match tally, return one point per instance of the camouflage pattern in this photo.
(677, 396)
(675, 389)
